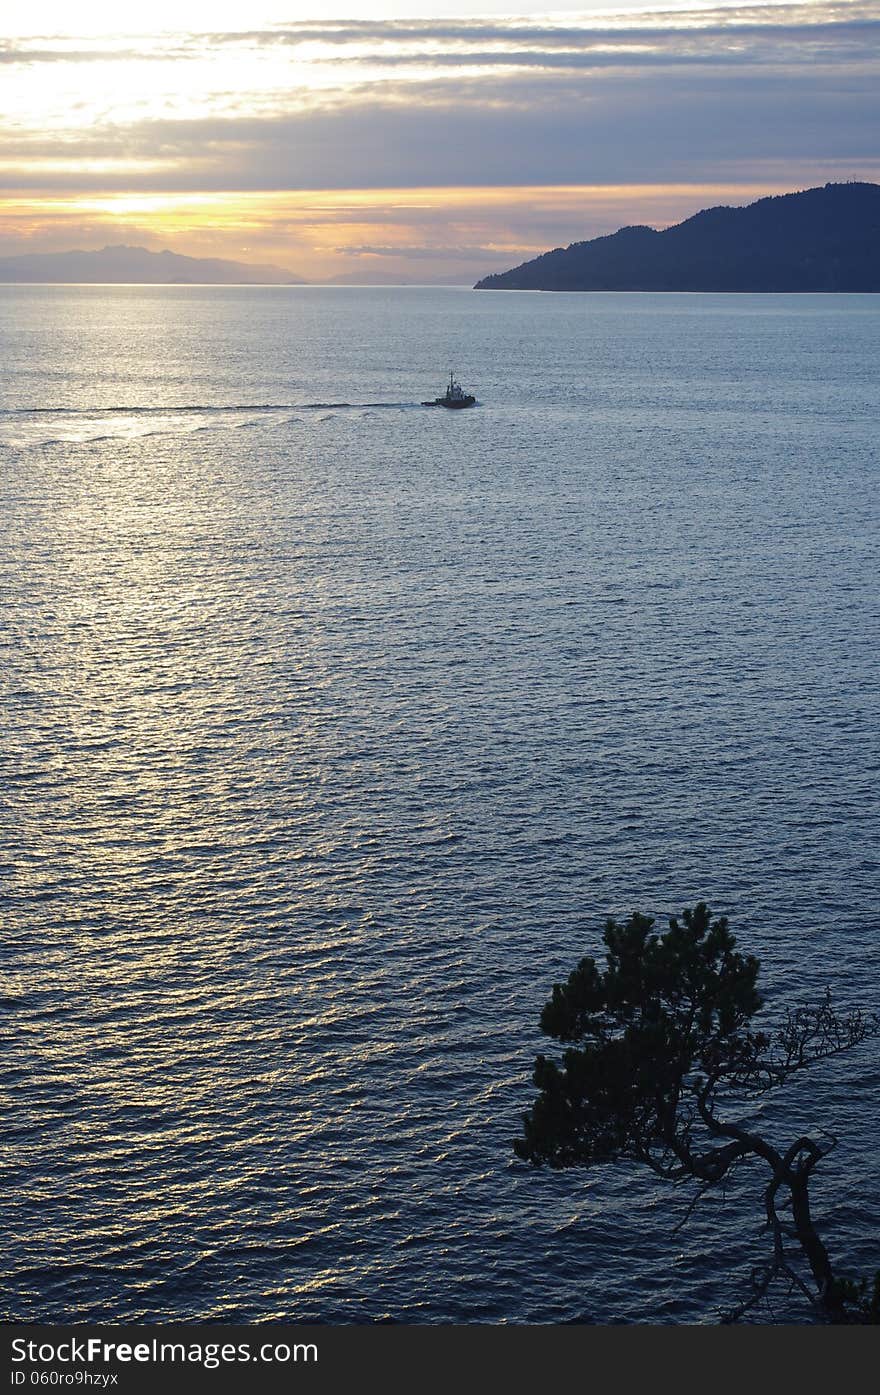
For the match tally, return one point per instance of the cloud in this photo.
(750, 34)
(434, 253)
(32, 52)
(761, 95)
(754, 30)
(655, 23)
(447, 235)
(492, 130)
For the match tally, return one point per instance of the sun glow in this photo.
(267, 133)
(320, 234)
(99, 17)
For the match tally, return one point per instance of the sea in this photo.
(334, 728)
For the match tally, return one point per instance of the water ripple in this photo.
(329, 750)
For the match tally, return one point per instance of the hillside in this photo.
(824, 239)
(137, 265)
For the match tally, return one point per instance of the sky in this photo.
(416, 141)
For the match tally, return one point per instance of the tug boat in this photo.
(454, 396)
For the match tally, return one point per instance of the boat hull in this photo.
(453, 397)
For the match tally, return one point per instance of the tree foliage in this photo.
(663, 1067)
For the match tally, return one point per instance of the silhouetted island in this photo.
(820, 240)
(137, 265)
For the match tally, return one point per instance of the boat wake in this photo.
(205, 409)
(28, 427)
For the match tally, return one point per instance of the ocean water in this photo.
(334, 727)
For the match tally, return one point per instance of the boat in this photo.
(454, 396)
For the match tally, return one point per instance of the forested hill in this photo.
(820, 240)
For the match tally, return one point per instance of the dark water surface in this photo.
(333, 732)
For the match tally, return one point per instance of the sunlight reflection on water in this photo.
(330, 744)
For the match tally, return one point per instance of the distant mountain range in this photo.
(377, 279)
(137, 265)
(820, 240)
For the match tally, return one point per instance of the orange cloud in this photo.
(393, 234)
